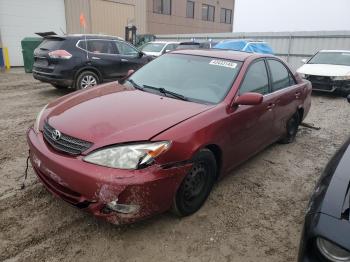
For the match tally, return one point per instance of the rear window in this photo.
(51, 44)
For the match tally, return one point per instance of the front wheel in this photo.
(197, 184)
(291, 129)
(86, 79)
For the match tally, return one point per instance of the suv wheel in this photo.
(196, 185)
(86, 79)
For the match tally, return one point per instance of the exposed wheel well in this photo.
(216, 150)
(301, 114)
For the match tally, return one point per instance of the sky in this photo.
(291, 15)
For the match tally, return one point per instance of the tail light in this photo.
(61, 54)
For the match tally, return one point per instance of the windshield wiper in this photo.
(166, 92)
(134, 84)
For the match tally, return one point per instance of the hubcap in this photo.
(195, 182)
(88, 81)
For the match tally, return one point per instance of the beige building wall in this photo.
(178, 23)
(111, 17)
(106, 16)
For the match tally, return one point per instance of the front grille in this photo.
(65, 143)
(321, 82)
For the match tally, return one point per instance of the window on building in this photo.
(162, 7)
(226, 16)
(190, 9)
(208, 12)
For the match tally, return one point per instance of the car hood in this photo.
(113, 113)
(324, 70)
(331, 195)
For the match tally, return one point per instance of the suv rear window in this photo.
(51, 44)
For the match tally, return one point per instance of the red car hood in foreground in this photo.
(113, 114)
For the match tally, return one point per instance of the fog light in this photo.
(123, 208)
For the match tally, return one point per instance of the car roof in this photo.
(335, 51)
(220, 53)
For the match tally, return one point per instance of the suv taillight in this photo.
(63, 54)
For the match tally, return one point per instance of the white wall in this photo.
(291, 15)
(21, 18)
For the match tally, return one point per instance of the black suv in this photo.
(81, 61)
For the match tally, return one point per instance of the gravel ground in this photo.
(254, 214)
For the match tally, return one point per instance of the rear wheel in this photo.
(86, 79)
(291, 129)
(197, 184)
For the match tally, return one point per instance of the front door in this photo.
(252, 125)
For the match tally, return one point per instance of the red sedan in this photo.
(160, 139)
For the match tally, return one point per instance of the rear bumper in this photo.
(91, 187)
(52, 78)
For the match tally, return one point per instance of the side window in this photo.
(281, 77)
(125, 49)
(171, 47)
(256, 79)
(98, 46)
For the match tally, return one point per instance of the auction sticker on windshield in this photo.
(223, 63)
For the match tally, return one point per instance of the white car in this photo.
(157, 48)
(328, 71)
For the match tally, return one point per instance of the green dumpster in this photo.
(28, 46)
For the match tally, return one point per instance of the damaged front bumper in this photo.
(118, 196)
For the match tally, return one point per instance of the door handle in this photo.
(297, 95)
(270, 106)
(124, 60)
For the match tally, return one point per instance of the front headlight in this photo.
(341, 78)
(132, 156)
(38, 118)
(303, 76)
(331, 251)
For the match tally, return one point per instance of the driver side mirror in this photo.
(248, 99)
(141, 54)
(304, 60)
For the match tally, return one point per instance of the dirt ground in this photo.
(254, 214)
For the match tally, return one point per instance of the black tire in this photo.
(197, 184)
(59, 86)
(292, 127)
(86, 79)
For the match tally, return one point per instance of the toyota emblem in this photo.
(56, 135)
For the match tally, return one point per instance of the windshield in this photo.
(331, 58)
(153, 47)
(197, 78)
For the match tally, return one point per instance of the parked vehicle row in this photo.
(198, 111)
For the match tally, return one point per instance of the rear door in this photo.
(286, 94)
(251, 125)
(130, 58)
(102, 54)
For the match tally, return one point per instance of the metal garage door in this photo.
(21, 18)
(110, 17)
